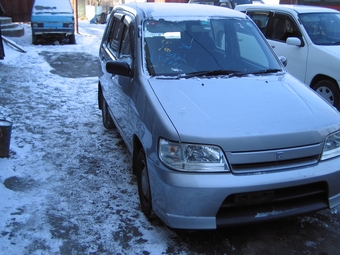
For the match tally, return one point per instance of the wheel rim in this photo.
(326, 93)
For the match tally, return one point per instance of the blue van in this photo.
(52, 20)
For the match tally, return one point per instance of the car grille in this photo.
(273, 204)
(274, 160)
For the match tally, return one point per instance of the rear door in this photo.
(117, 45)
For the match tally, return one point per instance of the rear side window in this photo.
(261, 20)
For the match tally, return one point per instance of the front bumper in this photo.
(47, 32)
(210, 200)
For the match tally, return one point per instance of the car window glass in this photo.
(115, 33)
(260, 19)
(165, 46)
(205, 46)
(107, 32)
(322, 28)
(249, 46)
(223, 3)
(219, 35)
(283, 27)
(227, 5)
(126, 43)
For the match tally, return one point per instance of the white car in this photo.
(309, 37)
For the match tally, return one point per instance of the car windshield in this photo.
(322, 28)
(54, 7)
(206, 48)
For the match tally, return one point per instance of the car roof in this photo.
(179, 10)
(285, 7)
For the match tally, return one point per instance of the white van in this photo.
(52, 20)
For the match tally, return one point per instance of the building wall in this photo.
(81, 8)
(18, 10)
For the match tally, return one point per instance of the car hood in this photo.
(246, 113)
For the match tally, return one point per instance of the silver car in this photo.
(220, 133)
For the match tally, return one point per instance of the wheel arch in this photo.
(332, 89)
(100, 98)
(320, 77)
(137, 145)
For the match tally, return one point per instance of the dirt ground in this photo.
(90, 203)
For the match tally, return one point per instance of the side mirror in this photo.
(293, 41)
(283, 60)
(118, 68)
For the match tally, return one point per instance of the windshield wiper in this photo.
(228, 73)
(211, 73)
(267, 71)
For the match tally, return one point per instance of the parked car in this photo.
(220, 134)
(52, 20)
(225, 3)
(222, 3)
(309, 38)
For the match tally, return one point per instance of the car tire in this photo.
(34, 39)
(106, 117)
(328, 90)
(72, 39)
(144, 190)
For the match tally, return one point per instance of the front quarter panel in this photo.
(151, 121)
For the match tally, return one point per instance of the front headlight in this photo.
(69, 25)
(332, 146)
(192, 157)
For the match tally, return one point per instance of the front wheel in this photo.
(34, 39)
(328, 90)
(144, 185)
(72, 39)
(106, 117)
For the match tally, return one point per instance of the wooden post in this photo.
(75, 9)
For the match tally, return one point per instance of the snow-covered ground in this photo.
(67, 183)
(67, 186)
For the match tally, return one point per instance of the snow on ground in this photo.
(67, 186)
(61, 188)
